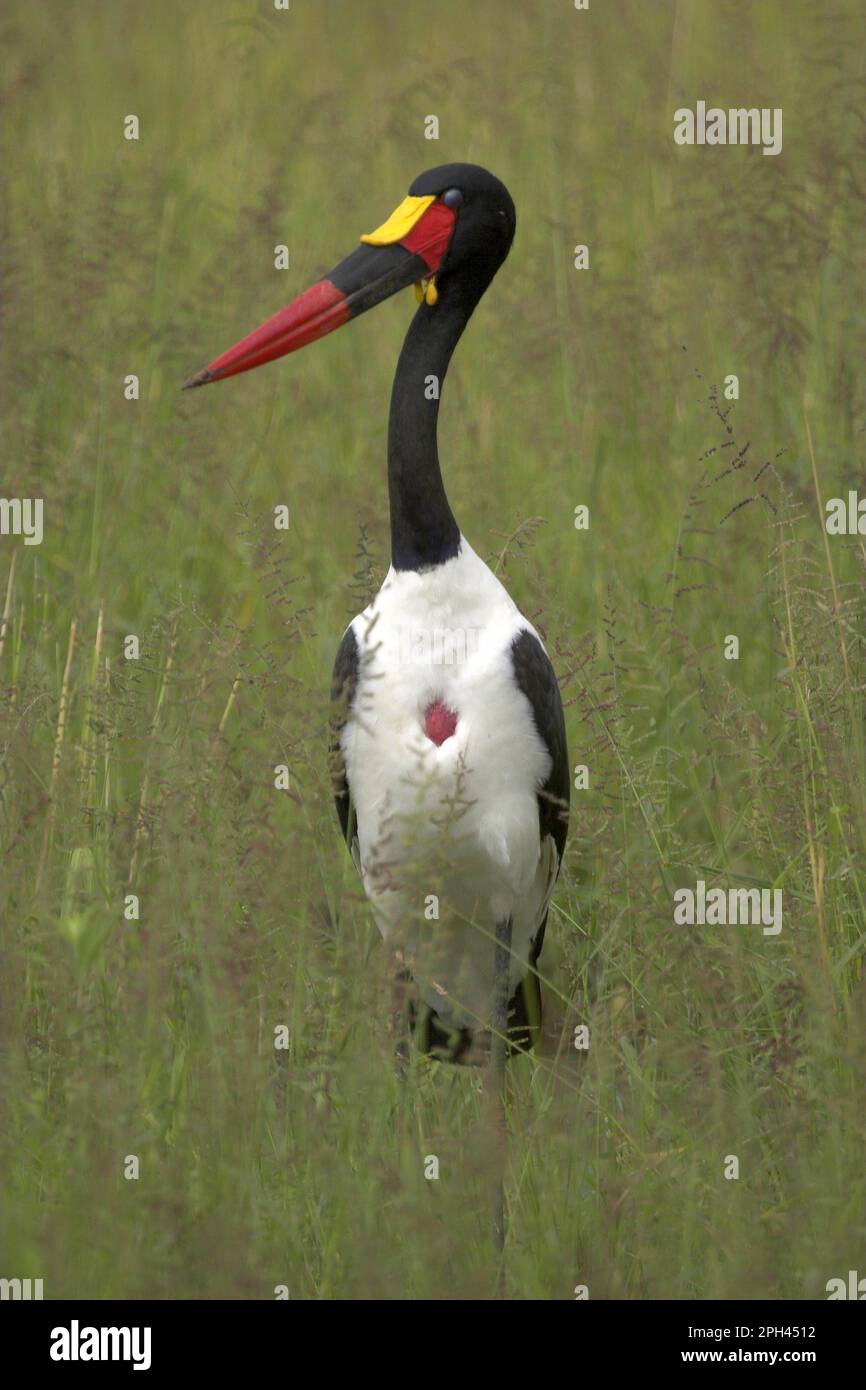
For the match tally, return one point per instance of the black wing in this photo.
(535, 677)
(344, 683)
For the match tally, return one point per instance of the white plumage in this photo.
(459, 820)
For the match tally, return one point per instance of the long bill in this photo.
(411, 245)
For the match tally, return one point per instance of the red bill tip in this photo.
(314, 313)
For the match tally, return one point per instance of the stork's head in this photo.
(448, 237)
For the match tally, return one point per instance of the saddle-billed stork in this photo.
(449, 738)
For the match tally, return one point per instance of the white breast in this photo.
(454, 828)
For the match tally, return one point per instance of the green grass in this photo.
(154, 776)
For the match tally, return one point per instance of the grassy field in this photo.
(154, 776)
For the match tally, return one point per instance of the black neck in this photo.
(423, 530)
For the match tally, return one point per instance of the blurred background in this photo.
(153, 1036)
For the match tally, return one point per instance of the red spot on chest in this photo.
(439, 722)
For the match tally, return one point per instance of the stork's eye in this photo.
(453, 198)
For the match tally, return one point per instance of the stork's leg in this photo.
(400, 1019)
(498, 1055)
(499, 1044)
